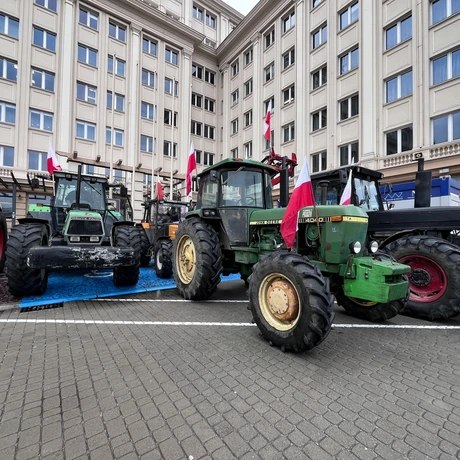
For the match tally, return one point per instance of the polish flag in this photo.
(346, 194)
(267, 132)
(160, 193)
(191, 166)
(52, 162)
(301, 196)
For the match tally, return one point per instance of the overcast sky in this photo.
(243, 6)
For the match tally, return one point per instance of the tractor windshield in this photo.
(242, 188)
(90, 194)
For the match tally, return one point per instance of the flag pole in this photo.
(316, 212)
(172, 138)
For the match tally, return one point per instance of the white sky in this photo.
(243, 6)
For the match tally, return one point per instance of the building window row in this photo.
(199, 72)
(442, 9)
(6, 156)
(147, 111)
(148, 78)
(349, 107)
(204, 158)
(42, 80)
(319, 77)
(89, 19)
(288, 58)
(7, 113)
(44, 39)
(399, 86)
(289, 95)
(41, 120)
(86, 93)
(319, 36)
(8, 69)
(398, 33)
(349, 16)
(48, 4)
(168, 118)
(349, 61)
(446, 67)
(446, 128)
(9, 26)
(319, 119)
(248, 87)
(319, 162)
(400, 140)
(117, 139)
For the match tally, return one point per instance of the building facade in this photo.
(125, 86)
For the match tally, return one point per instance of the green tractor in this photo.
(235, 229)
(3, 238)
(80, 231)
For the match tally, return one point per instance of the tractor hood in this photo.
(83, 227)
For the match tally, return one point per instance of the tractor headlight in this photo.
(373, 246)
(74, 239)
(94, 239)
(355, 247)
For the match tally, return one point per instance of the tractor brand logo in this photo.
(265, 222)
(307, 213)
(313, 220)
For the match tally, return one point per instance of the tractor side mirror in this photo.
(213, 176)
(343, 176)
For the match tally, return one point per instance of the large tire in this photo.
(22, 280)
(290, 301)
(375, 312)
(3, 238)
(127, 237)
(434, 280)
(145, 248)
(163, 255)
(197, 259)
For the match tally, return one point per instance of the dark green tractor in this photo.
(235, 229)
(79, 231)
(3, 238)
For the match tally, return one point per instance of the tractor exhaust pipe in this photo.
(422, 186)
(284, 184)
(77, 192)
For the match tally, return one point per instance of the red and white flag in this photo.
(52, 162)
(301, 196)
(267, 131)
(160, 194)
(346, 194)
(191, 166)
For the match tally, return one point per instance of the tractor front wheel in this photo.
(434, 278)
(127, 237)
(197, 259)
(22, 280)
(163, 258)
(145, 248)
(290, 301)
(3, 238)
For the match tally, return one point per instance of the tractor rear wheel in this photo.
(197, 259)
(22, 280)
(290, 301)
(3, 238)
(163, 259)
(145, 248)
(434, 279)
(127, 237)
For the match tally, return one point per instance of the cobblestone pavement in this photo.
(70, 390)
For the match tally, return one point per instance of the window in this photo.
(147, 111)
(288, 58)
(118, 137)
(235, 97)
(349, 61)
(234, 152)
(289, 21)
(319, 119)
(446, 128)
(319, 37)
(119, 101)
(319, 78)
(197, 71)
(169, 86)
(248, 56)
(247, 118)
(269, 38)
(119, 66)
(349, 107)
(198, 156)
(86, 130)
(288, 132)
(234, 125)
(41, 120)
(288, 95)
(6, 156)
(248, 87)
(209, 76)
(269, 103)
(398, 33)
(149, 46)
(41, 79)
(399, 86)
(235, 68)
(171, 56)
(168, 118)
(319, 162)
(8, 69)
(8, 113)
(399, 141)
(349, 154)
(197, 100)
(271, 141)
(441, 9)
(197, 128)
(446, 67)
(89, 19)
(87, 55)
(9, 26)
(86, 93)
(148, 78)
(146, 143)
(269, 72)
(315, 3)
(210, 20)
(37, 161)
(247, 150)
(197, 13)
(209, 104)
(350, 15)
(209, 132)
(167, 149)
(116, 31)
(208, 159)
(48, 4)
(44, 39)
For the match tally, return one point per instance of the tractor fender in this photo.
(128, 223)
(398, 235)
(33, 220)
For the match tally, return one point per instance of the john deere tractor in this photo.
(80, 233)
(235, 229)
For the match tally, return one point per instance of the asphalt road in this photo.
(151, 376)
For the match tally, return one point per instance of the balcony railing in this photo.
(445, 150)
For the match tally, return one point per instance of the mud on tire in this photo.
(127, 237)
(163, 255)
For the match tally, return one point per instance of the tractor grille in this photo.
(85, 227)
